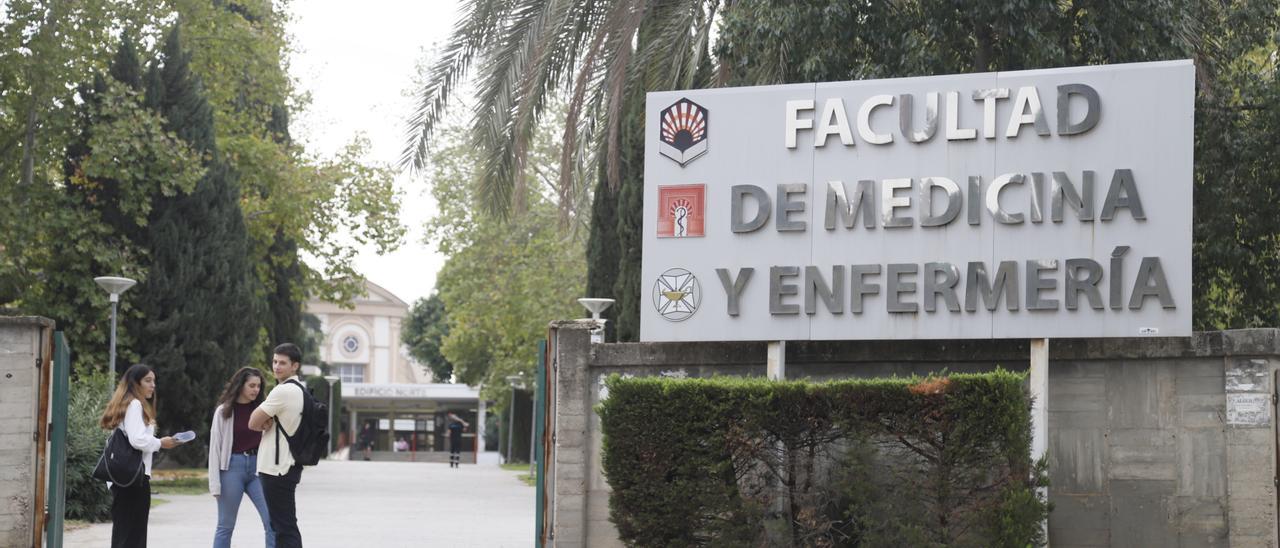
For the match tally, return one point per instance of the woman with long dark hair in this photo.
(233, 455)
(132, 409)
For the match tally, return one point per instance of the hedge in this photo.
(726, 461)
(87, 498)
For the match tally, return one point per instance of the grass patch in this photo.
(527, 478)
(180, 481)
(158, 502)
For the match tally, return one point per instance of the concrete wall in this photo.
(21, 345)
(1152, 442)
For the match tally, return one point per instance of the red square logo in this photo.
(681, 211)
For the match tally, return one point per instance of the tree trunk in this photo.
(29, 145)
(982, 59)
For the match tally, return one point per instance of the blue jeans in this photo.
(240, 478)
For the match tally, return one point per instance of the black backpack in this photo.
(310, 442)
(120, 463)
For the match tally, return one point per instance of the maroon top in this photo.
(243, 439)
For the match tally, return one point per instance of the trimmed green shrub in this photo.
(87, 498)
(941, 461)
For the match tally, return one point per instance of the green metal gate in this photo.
(56, 500)
(539, 419)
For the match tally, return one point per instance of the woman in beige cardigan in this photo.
(233, 455)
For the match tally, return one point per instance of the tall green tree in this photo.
(505, 279)
(295, 204)
(83, 163)
(630, 224)
(597, 57)
(50, 248)
(603, 250)
(530, 53)
(424, 333)
(118, 161)
(597, 53)
(199, 285)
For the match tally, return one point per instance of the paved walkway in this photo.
(366, 504)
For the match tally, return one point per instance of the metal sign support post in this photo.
(1039, 388)
(776, 370)
(776, 362)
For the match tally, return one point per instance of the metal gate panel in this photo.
(56, 501)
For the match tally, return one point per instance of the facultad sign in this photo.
(1034, 204)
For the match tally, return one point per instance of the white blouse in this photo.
(142, 436)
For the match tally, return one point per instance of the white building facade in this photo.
(386, 389)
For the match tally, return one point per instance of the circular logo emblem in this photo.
(351, 344)
(677, 294)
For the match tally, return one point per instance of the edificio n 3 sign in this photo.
(1031, 204)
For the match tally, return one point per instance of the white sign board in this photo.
(1033, 204)
(1248, 409)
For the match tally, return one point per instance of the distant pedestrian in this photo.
(277, 469)
(131, 409)
(365, 440)
(233, 456)
(456, 427)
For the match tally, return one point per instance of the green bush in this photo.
(87, 498)
(941, 461)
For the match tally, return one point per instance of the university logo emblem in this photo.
(677, 294)
(684, 131)
(680, 211)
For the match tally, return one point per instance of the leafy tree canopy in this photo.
(424, 333)
(505, 280)
(82, 163)
(601, 56)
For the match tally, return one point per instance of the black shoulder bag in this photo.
(121, 462)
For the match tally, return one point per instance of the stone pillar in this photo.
(571, 440)
(1251, 490)
(22, 346)
(353, 430)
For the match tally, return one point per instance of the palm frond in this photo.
(471, 34)
(527, 52)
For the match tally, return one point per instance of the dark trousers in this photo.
(455, 450)
(282, 505)
(130, 509)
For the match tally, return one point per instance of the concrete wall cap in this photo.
(1236, 342)
(40, 321)
(585, 323)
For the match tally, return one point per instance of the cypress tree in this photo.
(284, 309)
(125, 66)
(603, 250)
(630, 218)
(199, 289)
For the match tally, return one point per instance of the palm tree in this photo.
(587, 53)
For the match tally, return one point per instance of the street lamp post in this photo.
(114, 285)
(334, 439)
(596, 306)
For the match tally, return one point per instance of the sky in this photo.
(357, 60)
